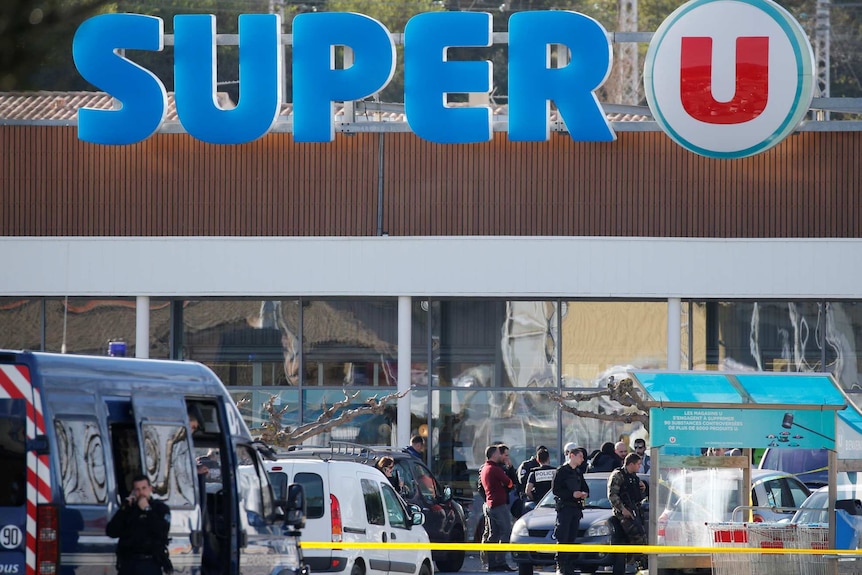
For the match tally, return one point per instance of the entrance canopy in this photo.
(689, 411)
(723, 409)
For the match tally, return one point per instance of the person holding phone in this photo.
(142, 525)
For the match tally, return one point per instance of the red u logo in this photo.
(752, 80)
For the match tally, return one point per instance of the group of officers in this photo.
(625, 491)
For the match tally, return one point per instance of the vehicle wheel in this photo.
(425, 569)
(359, 569)
(453, 562)
(525, 569)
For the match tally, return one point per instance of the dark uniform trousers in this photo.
(566, 531)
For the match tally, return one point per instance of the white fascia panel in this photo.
(473, 266)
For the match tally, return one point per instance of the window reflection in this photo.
(246, 342)
(20, 323)
(350, 342)
(493, 343)
(784, 336)
(368, 429)
(467, 421)
(600, 337)
(259, 407)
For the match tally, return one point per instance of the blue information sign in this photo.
(755, 428)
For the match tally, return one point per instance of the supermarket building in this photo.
(473, 275)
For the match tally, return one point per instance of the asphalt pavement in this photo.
(473, 566)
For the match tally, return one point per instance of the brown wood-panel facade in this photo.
(52, 184)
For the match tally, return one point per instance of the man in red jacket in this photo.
(498, 519)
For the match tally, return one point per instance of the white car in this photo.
(349, 502)
(710, 496)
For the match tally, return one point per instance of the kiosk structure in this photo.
(694, 414)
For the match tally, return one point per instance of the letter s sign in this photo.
(95, 50)
(729, 78)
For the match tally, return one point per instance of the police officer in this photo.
(625, 492)
(570, 490)
(142, 525)
(540, 478)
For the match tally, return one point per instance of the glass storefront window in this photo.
(600, 339)
(843, 337)
(247, 342)
(259, 406)
(783, 336)
(367, 429)
(591, 433)
(466, 421)
(350, 342)
(86, 326)
(21, 323)
(494, 343)
(770, 336)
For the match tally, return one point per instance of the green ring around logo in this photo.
(801, 99)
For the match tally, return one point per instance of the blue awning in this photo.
(760, 388)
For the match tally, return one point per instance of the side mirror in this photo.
(447, 494)
(295, 506)
(416, 515)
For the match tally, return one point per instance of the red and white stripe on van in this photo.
(42, 545)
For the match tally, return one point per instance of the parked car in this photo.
(596, 528)
(347, 501)
(445, 520)
(706, 496)
(809, 465)
(848, 517)
(444, 517)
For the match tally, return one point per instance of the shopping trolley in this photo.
(774, 536)
(813, 536)
(729, 535)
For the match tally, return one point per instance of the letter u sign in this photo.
(729, 79)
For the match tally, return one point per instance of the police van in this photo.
(75, 430)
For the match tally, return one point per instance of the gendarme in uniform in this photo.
(142, 525)
(570, 490)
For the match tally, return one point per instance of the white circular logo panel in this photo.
(729, 78)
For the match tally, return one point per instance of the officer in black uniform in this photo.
(142, 525)
(570, 491)
(625, 492)
(540, 478)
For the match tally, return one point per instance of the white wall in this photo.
(539, 267)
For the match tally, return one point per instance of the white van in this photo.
(347, 502)
(75, 430)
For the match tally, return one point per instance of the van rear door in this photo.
(24, 478)
(167, 459)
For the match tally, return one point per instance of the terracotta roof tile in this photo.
(63, 107)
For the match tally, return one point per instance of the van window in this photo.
(397, 517)
(279, 484)
(255, 492)
(82, 461)
(168, 464)
(13, 459)
(127, 456)
(373, 503)
(312, 483)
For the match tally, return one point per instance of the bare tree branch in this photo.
(334, 415)
(622, 392)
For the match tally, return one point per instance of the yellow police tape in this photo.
(577, 548)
